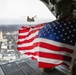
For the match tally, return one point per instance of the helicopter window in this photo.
(16, 11)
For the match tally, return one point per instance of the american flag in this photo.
(51, 43)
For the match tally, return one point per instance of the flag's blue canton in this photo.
(60, 31)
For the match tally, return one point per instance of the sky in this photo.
(16, 11)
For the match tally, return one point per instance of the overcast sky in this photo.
(16, 11)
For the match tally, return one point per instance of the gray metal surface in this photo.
(12, 69)
(1, 72)
(26, 67)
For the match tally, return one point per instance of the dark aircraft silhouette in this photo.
(31, 19)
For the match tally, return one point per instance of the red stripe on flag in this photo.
(50, 65)
(20, 37)
(54, 56)
(27, 41)
(28, 47)
(54, 48)
(23, 30)
(46, 65)
(33, 58)
(34, 53)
